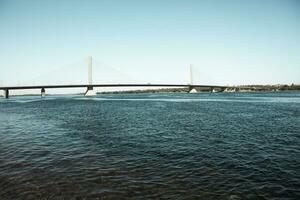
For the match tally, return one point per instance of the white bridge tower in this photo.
(90, 90)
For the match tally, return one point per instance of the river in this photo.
(151, 146)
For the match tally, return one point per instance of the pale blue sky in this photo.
(229, 42)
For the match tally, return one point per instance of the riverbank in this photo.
(241, 88)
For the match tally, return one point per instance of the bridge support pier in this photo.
(90, 91)
(43, 92)
(6, 93)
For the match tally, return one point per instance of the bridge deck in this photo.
(105, 85)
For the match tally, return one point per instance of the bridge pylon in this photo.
(191, 88)
(90, 90)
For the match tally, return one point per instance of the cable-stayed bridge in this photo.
(90, 84)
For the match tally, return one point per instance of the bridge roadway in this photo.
(91, 86)
(105, 85)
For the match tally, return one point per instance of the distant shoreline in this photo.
(229, 89)
(250, 88)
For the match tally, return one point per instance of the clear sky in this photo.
(229, 42)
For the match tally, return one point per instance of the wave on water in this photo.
(244, 98)
(235, 99)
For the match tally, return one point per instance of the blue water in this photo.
(151, 146)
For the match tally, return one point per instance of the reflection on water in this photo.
(151, 146)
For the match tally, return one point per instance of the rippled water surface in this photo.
(151, 146)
